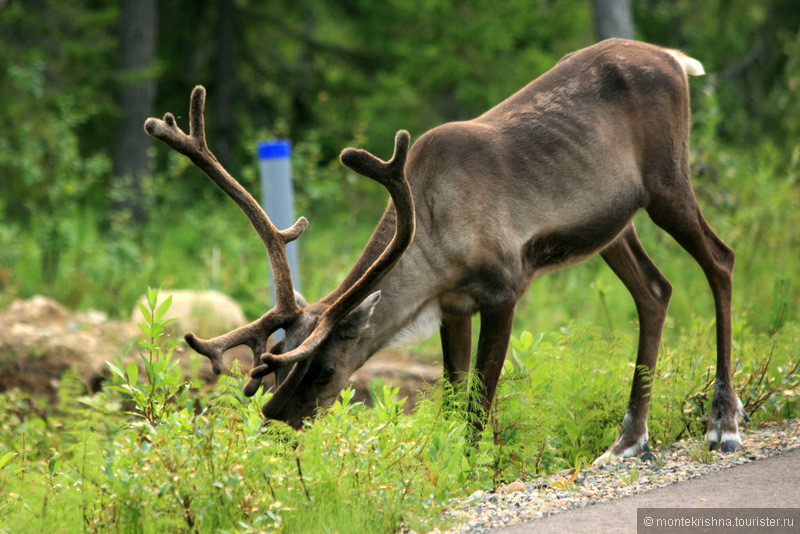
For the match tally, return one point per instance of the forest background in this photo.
(92, 210)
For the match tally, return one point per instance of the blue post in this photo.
(277, 196)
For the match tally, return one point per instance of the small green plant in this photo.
(559, 401)
(700, 453)
(163, 383)
(634, 471)
(659, 458)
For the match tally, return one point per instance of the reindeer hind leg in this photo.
(679, 214)
(651, 293)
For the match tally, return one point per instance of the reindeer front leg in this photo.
(456, 334)
(496, 323)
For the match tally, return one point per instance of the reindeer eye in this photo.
(326, 374)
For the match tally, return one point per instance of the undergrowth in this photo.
(154, 452)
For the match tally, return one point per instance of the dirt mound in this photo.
(398, 371)
(40, 340)
(206, 313)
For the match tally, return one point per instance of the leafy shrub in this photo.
(149, 454)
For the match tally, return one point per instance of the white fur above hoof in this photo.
(724, 441)
(617, 452)
(605, 458)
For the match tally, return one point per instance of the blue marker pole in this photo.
(277, 196)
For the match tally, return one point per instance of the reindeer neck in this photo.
(405, 291)
(380, 238)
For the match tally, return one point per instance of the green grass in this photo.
(150, 454)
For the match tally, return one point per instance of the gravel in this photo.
(518, 501)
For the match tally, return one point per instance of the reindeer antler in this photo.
(286, 310)
(391, 175)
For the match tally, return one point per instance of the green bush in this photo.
(152, 453)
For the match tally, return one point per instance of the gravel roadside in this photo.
(521, 501)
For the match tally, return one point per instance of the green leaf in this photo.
(122, 389)
(5, 459)
(163, 308)
(146, 329)
(156, 329)
(152, 297)
(53, 464)
(133, 373)
(116, 370)
(145, 311)
(538, 339)
(148, 366)
(526, 338)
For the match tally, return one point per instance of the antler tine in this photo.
(383, 172)
(254, 335)
(286, 309)
(392, 176)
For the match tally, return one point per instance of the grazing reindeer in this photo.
(545, 179)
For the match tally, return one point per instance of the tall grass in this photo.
(145, 455)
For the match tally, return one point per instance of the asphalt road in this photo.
(769, 483)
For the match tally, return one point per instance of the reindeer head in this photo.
(314, 382)
(310, 359)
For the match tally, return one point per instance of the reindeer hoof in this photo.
(731, 446)
(642, 451)
(647, 454)
(627, 445)
(724, 441)
(605, 458)
(723, 425)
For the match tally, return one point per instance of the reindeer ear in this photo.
(300, 300)
(352, 325)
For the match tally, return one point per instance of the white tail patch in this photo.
(690, 65)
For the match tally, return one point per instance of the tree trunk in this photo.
(303, 86)
(223, 98)
(613, 18)
(138, 35)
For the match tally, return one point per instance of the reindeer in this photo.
(478, 209)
